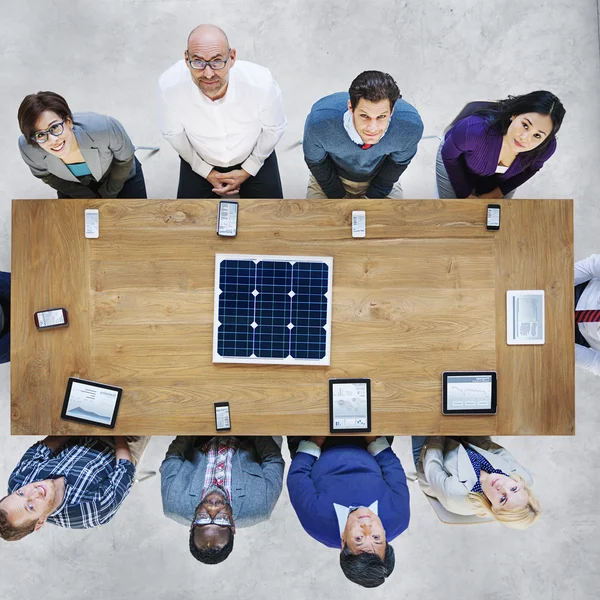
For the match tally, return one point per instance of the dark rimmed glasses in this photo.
(200, 65)
(42, 136)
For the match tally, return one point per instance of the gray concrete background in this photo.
(106, 57)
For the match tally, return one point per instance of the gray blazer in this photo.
(106, 148)
(446, 473)
(256, 480)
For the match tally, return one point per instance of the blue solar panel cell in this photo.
(272, 309)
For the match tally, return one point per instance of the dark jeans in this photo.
(293, 442)
(135, 187)
(418, 441)
(5, 302)
(265, 184)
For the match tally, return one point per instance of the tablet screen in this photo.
(470, 392)
(91, 402)
(350, 405)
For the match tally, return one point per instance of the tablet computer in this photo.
(469, 392)
(525, 317)
(349, 405)
(91, 402)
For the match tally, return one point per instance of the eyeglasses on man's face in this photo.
(56, 129)
(220, 520)
(200, 65)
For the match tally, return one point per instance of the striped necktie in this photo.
(587, 316)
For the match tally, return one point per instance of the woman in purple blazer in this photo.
(491, 148)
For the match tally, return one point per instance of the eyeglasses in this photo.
(42, 136)
(221, 521)
(200, 65)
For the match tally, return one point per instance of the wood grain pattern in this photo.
(423, 293)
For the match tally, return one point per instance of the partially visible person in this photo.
(357, 144)
(213, 485)
(72, 482)
(351, 493)
(476, 476)
(587, 315)
(223, 117)
(80, 155)
(492, 148)
(4, 317)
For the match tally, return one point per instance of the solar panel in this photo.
(272, 309)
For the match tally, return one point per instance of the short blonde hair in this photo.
(515, 518)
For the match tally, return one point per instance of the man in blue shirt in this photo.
(357, 144)
(71, 482)
(351, 493)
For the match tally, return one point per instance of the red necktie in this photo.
(366, 146)
(587, 316)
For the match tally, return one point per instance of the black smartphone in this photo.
(493, 217)
(222, 418)
(227, 218)
(52, 318)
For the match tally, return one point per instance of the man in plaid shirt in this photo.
(74, 482)
(213, 484)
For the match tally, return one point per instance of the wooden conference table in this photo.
(425, 292)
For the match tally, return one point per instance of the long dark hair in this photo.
(498, 114)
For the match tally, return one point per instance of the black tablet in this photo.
(349, 405)
(91, 402)
(469, 392)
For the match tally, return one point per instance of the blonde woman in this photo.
(476, 476)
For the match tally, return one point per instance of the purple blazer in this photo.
(470, 153)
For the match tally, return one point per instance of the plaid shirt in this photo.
(95, 482)
(219, 452)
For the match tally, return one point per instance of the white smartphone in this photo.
(92, 223)
(359, 223)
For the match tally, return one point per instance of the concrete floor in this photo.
(106, 57)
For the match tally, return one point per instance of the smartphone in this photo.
(222, 418)
(227, 218)
(92, 223)
(52, 318)
(493, 217)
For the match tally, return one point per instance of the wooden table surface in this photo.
(425, 292)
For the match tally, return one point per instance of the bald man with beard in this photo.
(224, 118)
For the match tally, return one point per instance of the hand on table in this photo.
(318, 440)
(227, 184)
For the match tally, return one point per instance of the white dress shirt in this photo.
(588, 269)
(342, 512)
(243, 127)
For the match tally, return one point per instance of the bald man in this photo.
(224, 118)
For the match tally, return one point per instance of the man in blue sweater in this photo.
(357, 145)
(351, 493)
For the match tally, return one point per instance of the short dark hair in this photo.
(9, 532)
(374, 86)
(367, 569)
(211, 556)
(34, 105)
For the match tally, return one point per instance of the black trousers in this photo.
(135, 187)
(265, 184)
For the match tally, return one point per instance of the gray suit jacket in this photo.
(446, 473)
(106, 148)
(256, 480)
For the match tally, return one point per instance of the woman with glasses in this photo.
(476, 476)
(491, 148)
(81, 155)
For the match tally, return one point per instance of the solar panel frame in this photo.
(304, 339)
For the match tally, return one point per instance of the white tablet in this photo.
(525, 317)
(469, 393)
(91, 402)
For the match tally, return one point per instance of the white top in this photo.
(243, 127)
(501, 169)
(351, 130)
(588, 269)
(342, 512)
